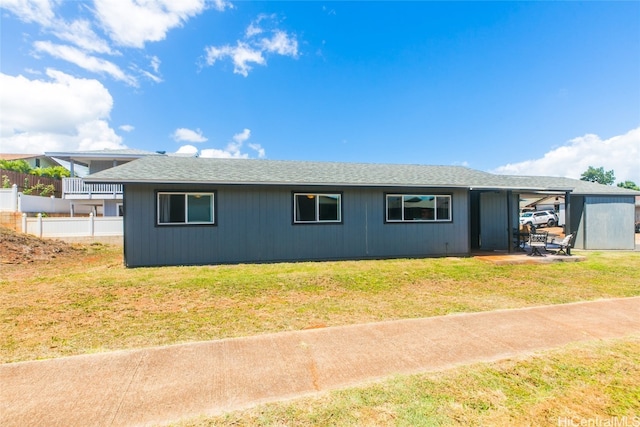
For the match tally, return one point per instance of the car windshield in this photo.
(526, 214)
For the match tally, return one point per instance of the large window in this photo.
(185, 208)
(309, 207)
(418, 207)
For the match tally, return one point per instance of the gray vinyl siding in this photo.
(255, 224)
(494, 232)
(609, 222)
(100, 165)
(603, 222)
(576, 207)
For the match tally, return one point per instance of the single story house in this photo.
(186, 211)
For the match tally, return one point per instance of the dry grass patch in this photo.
(86, 301)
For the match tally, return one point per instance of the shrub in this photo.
(52, 172)
(15, 165)
(40, 189)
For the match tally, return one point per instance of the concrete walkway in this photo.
(161, 385)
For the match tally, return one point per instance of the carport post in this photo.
(567, 219)
(510, 219)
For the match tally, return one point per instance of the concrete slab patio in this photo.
(162, 385)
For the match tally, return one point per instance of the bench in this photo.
(538, 241)
(564, 245)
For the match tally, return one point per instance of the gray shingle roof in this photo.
(174, 170)
(576, 186)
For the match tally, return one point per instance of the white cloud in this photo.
(81, 34)
(233, 150)
(187, 149)
(221, 5)
(255, 28)
(147, 74)
(97, 135)
(258, 148)
(241, 55)
(38, 11)
(78, 32)
(129, 23)
(126, 128)
(620, 153)
(328, 11)
(183, 134)
(132, 23)
(251, 50)
(282, 44)
(222, 154)
(252, 30)
(82, 60)
(58, 113)
(155, 63)
(241, 137)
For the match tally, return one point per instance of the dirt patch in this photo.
(19, 248)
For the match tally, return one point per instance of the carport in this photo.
(494, 218)
(602, 216)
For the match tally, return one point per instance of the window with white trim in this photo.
(175, 208)
(418, 208)
(316, 208)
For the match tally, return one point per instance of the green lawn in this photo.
(88, 302)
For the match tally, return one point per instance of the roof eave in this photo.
(81, 157)
(90, 180)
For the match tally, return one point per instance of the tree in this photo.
(598, 175)
(629, 184)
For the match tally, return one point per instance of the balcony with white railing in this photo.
(76, 188)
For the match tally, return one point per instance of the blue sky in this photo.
(510, 87)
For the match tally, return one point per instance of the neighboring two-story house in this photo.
(101, 199)
(33, 160)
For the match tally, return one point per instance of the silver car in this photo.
(539, 218)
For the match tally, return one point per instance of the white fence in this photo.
(72, 226)
(9, 199)
(32, 204)
(13, 201)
